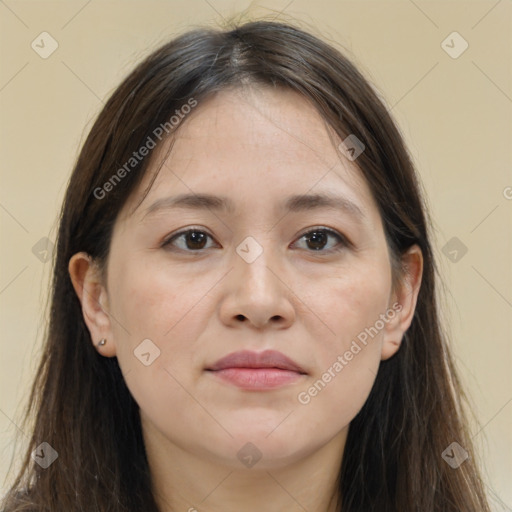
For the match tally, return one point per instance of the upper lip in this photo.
(248, 359)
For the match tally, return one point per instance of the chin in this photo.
(256, 446)
(262, 453)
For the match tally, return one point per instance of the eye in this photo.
(195, 240)
(317, 239)
(190, 240)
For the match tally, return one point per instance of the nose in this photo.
(258, 295)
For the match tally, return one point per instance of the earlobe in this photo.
(403, 301)
(93, 297)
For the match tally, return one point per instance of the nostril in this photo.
(240, 317)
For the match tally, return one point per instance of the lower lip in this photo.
(257, 378)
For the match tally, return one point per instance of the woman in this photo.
(243, 312)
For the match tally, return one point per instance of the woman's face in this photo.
(267, 267)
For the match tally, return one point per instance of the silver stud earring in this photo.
(102, 342)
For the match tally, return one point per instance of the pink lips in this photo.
(257, 370)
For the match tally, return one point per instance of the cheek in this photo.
(157, 317)
(154, 303)
(353, 304)
(347, 368)
(154, 330)
(338, 391)
(348, 359)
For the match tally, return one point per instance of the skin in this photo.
(257, 146)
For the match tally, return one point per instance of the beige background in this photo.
(456, 115)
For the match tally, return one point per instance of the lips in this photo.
(248, 359)
(257, 371)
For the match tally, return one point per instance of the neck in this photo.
(183, 481)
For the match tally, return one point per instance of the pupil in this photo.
(196, 238)
(318, 239)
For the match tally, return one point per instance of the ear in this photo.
(93, 297)
(403, 302)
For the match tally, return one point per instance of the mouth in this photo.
(257, 370)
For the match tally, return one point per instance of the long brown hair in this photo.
(393, 455)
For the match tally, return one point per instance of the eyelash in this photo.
(343, 242)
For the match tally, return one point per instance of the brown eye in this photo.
(318, 238)
(190, 240)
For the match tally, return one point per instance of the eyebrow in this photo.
(296, 203)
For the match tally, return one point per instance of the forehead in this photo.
(257, 144)
(240, 122)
